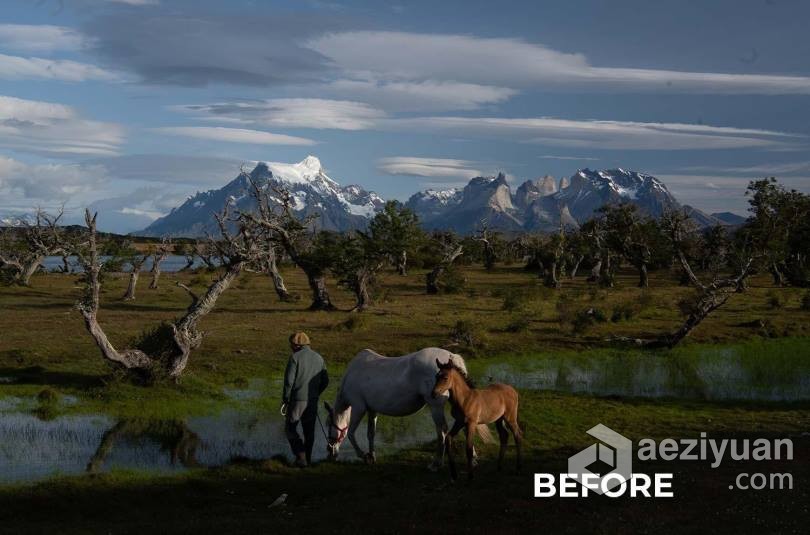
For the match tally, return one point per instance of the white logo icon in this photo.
(614, 450)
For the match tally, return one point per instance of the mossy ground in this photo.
(43, 341)
(400, 495)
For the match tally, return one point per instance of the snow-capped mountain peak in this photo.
(307, 171)
(312, 191)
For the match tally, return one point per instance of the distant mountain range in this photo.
(536, 205)
(542, 203)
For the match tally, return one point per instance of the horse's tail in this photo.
(485, 434)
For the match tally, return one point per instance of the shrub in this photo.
(687, 305)
(518, 324)
(773, 300)
(453, 281)
(585, 319)
(806, 301)
(565, 308)
(646, 299)
(113, 265)
(514, 300)
(467, 334)
(624, 312)
(48, 396)
(199, 280)
(355, 322)
(157, 341)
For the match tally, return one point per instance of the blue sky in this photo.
(132, 105)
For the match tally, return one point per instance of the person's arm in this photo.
(289, 378)
(324, 380)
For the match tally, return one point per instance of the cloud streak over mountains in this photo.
(428, 167)
(39, 38)
(314, 113)
(614, 135)
(233, 135)
(518, 63)
(54, 130)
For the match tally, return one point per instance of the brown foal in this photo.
(472, 407)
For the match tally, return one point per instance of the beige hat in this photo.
(300, 339)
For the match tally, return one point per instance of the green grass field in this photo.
(513, 321)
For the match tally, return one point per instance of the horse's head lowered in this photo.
(337, 424)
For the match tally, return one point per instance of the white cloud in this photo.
(599, 134)
(577, 158)
(292, 113)
(171, 169)
(134, 2)
(54, 129)
(428, 167)
(39, 38)
(19, 68)
(769, 169)
(402, 56)
(423, 95)
(51, 181)
(234, 135)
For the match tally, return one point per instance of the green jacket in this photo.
(305, 377)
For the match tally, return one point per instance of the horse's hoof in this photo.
(370, 458)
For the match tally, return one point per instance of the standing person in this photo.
(304, 381)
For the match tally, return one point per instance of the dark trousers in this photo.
(305, 413)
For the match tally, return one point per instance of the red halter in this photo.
(341, 434)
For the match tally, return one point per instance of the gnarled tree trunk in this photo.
(643, 277)
(189, 263)
(575, 267)
(596, 271)
(29, 268)
(137, 263)
(278, 281)
(157, 259)
(432, 278)
(320, 295)
(183, 336)
(402, 263)
(551, 278)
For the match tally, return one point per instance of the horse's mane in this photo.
(461, 371)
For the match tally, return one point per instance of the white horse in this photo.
(398, 386)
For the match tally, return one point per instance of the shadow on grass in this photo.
(398, 496)
(37, 375)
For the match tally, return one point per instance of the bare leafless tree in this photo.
(165, 350)
(158, 256)
(136, 263)
(710, 294)
(483, 236)
(271, 267)
(208, 254)
(275, 215)
(190, 252)
(38, 240)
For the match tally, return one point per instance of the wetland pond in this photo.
(33, 448)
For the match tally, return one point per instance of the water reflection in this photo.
(720, 375)
(32, 449)
(171, 264)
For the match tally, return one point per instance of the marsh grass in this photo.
(44, 343)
